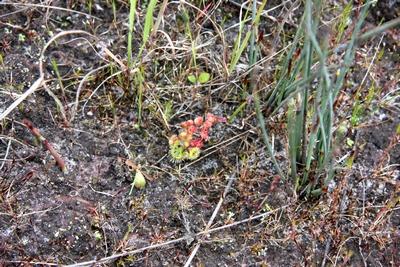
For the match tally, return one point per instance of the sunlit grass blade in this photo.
(238, 110)
(132, 9)
(294, 125)
(343, 21)
(148, 25)
(241, 46)
(59, 78)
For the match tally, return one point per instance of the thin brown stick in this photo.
(46, 144)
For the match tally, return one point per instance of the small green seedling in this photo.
(168, 110)
(349, 142)
(97, 235)
(203, 78)
(21, 38)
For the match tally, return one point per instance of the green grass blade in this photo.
(237, 53)
(149, 21)
(237, 111)
(294, 138)
(350, 51)
(148, 25)
(344, 18)
(236, 46)
(265, 137)
(132, 9)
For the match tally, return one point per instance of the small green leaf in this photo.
(349, 142)
(148, 23)
(342, 129)
(204, 77)
(168, 109)
(192, 79)
(380, 54)
(349, 162)
(398, 129)
(97, 235)
(21, 38)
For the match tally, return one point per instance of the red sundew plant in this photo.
(187, 145)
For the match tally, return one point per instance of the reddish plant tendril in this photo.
(46, 144)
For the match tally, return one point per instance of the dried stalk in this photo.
(46, 144)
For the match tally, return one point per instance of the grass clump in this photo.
(308, 86)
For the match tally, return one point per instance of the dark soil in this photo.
(88, 213)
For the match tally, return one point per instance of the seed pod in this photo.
(139, 182)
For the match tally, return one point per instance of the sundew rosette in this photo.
(188, 143)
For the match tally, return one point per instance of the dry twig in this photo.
(196, 248)
(46, 144)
